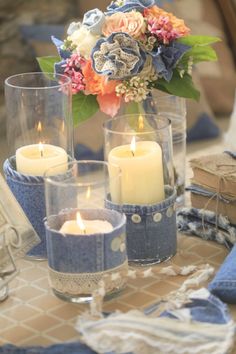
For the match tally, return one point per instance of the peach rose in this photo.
(131, 22)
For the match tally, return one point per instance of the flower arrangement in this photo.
(122, 54)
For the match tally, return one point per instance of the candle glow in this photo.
(80, 222)
(41, 149)
(39, 127)
(133, 145)
(88, 193)
(140, 123)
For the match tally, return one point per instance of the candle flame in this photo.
(88, 192)
(80, 222)
(140, 122)
(41, 149)
(39, 127)
(133, 145)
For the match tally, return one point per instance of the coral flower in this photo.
(102, 87)
(175, 25)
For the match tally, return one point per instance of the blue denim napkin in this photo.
(202, 223)
(224, 283)
(67, 348)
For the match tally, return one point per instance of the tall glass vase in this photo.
(173, 108)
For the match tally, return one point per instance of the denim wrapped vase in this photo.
(150, 229)
(29, 192)
(78, 262)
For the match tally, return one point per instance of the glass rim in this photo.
(122, 116)
(38, 73)
(50, 178)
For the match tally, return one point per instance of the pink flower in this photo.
(163, 29)
(73, 70)
(131, 22)
(164, 24)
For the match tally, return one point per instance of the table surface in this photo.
(32, 315)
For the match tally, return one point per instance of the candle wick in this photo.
(41, 153)
(84, 231)
(132, 153)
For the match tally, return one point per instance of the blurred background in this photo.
(26, 27)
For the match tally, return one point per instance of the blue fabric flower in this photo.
(64, 54)
(93, 20)
(165, 58)
(128, 5)
(119, 56)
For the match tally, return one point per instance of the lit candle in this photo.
(85, 227)
(35, 159)
(142, 180)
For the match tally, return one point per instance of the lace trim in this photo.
(86, 283)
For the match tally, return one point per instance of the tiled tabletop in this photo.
(32, 315)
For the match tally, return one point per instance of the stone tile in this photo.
(42, 322)
(63, 333)
(23, 311)
(38, 340)
(42, 283)
(205, 252)
(10, 303)
(161, 288)
(6, 322)
(16, 334)
(111, 307)
(143, 282)
(30, 276)
(46, 302)
(141, 299)
(28, 293)
(68, 311)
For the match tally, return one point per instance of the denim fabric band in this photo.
(224, 283)
(77, 263)
(29, 192)
(150, 229)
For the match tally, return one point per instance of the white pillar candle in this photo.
(91, 227)
(85, 227)
(142, 180)
(35, 159)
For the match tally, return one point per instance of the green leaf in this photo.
(47, 63)
(83, 107)
(178, 86)
(198, 40)
(199, 54)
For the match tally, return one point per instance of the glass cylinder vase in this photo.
(39, 132)
(141, 145)
(86, 242)
(173, 108)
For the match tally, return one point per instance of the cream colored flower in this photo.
(131, 22)
(84, 41)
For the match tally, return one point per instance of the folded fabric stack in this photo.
(213, 186)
